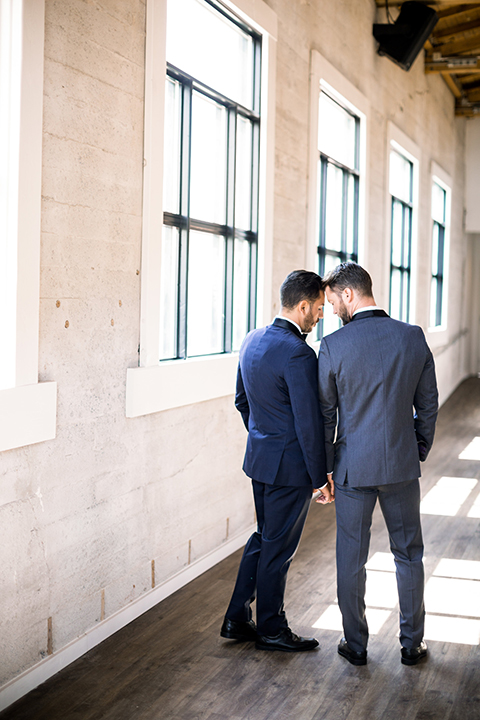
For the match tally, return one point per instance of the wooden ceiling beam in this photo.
(456, 10)
(434, 3)
(443, 66)
(452, 84)
(455, 29)
(470, 78)
(466, 110)
(460, 46)
(473, 96)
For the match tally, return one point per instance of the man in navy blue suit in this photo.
(277, 395)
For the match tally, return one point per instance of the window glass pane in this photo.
(241, 289)
(351, 225)
(336, 131)
(397, 230)
(330, 321)
(435, 249)
(405, 296)
(206, 293)
(208, 160)
(400, 177)
(243, 169)
(395, 294)
(407, 219)
(438, 203)
(205, 44)
(433, 302)
(171, 163)
(169, 293)
(334, 208)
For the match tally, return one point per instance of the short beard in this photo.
(342, 313)
(309, 322)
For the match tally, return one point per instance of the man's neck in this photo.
(362, 304)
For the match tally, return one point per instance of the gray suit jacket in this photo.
(373, 373)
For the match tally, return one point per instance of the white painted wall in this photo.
(85, 514)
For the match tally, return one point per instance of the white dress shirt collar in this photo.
(290, 321)
(368, 307)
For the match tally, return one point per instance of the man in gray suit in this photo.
(373, 373)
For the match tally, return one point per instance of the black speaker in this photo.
(402, 40)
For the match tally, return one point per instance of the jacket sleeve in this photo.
(241, 402)
(301, 379)
(328, 401)
(425, 402)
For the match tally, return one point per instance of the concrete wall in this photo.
(84, 515)
(472, 172)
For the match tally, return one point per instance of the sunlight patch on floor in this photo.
(451, 596)
(472, 451)
(447, 496)
(464, 631)
(331, 619)
(381, 561)
(474, 511)
(466, 569)
(381, 589)
(452, 600)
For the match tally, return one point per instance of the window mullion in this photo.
(254, 202)
(185, 212)
(356, 217)
(344, 215)
(230, 222)
(323, 212)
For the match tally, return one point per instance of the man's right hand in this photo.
(327, 494)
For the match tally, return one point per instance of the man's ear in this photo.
(303, 306)
(347, 294)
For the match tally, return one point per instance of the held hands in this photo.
(327, 494)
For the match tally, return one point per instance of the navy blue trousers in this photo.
(400, 505)
(281, 514)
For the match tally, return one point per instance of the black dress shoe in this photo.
(234, 630)
(411, 657)
(285, 641)
(356, 658)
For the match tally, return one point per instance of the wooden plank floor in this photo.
(172, 664)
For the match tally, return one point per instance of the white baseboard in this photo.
(34, 676)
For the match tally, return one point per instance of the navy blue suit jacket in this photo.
(277, 395)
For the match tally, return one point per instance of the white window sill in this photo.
(437, 337)
(28, 415)
(179, 382)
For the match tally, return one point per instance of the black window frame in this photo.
(439, 275)
(185, 223)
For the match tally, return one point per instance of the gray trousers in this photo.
(400, 504)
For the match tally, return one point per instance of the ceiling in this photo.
(453, 49)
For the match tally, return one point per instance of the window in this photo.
(337, 174)
(338, 181)
(401, 191)
(208, 197)
(210, 201)
(27, 407)
(439, 262)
